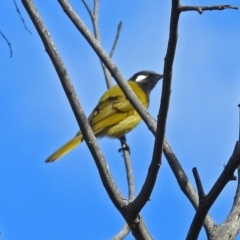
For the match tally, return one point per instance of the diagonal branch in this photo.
(105, 175)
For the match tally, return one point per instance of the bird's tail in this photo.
(67, 147)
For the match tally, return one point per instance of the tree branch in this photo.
(86, 130)
(119, 29)
(21, 17)
(8, 43)
(94, 17)
(201, 9)
(201, 193)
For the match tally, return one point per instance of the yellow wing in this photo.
(113, 107)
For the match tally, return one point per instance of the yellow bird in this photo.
(114, 116)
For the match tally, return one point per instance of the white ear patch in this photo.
(140, 78)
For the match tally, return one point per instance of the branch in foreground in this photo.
(105, 175)
(225, 177)
(201, 9)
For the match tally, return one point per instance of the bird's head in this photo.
(147, 80)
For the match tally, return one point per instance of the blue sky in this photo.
(66, 200)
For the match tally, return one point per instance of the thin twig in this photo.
(126, 154)
(8, 43)
(116, 39)
(201, 193)
(94, 17)
(88, 9)
(21, 17)
(201, 9)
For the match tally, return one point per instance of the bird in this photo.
(114, 116)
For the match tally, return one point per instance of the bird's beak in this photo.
(159, 76)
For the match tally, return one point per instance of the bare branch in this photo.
(201, 193)
(116, 39)
(88, 9)
(8, 43)
(210, 198)
(90, 139)
(94, 18)
(126, 154)
(201, 9)
(22, 19)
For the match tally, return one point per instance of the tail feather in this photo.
(67, 147)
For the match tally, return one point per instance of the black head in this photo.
(147, 80)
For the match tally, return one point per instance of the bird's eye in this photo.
(141, 77)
